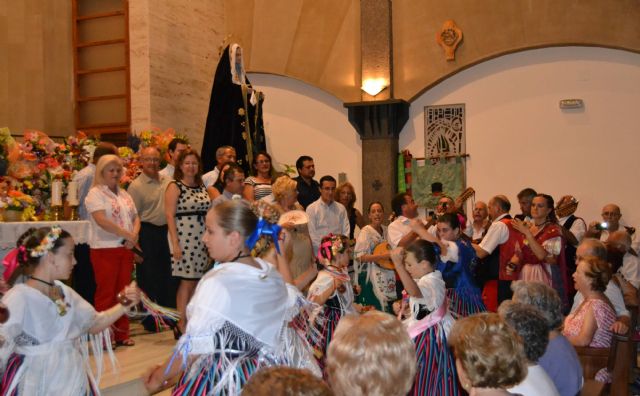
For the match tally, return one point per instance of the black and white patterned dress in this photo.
(191, 210)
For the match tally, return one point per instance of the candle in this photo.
(56, 193)
(72, 193)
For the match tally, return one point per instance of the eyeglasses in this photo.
(611, 214)
(151, 160)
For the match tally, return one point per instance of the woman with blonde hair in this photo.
(371, 354)
(115, 227)
(489, 354)
(285, 194)
(346, 195)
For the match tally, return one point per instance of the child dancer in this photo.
(44, 348)
(455, 261)
(332, 290)
(237, 316)
(429, 320)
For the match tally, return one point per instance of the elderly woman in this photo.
(489, 354)
(186, 203)
(590, 324)
(346, 195)
(115, 227)
(285, 194)
(258, 186)
(542, 256)
(531, 326)
(560, 359)
(364, 347)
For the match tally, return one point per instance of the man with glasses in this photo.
(326, 216)
(154, 273)
(233, 181)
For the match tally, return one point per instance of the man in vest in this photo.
(498, 248)
(573, 230)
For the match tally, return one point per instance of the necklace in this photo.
(541, 224)
(50, 284)
(240, 255)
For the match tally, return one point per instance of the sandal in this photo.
(128, 342)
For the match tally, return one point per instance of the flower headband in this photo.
(47, 242)
(331, 245)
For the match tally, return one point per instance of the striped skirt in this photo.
(464, 302)
(436, 368)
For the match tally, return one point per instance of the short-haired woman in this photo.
(115, 227)
(489, 354)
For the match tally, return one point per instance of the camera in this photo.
(602, 226)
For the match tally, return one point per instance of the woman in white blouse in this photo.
(115, 226)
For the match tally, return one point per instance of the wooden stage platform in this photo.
(133, 362)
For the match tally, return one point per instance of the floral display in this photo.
(28, 168)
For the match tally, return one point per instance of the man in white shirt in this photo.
(477, 228)
(176, 146)
(224, 155)
(325, 215)
(399, 231)
(593, 247)
(611, 221)
(498, 248)
(629, 267)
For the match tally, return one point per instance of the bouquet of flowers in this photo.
(156, 137)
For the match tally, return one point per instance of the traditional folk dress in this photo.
(326, 317)
(464, 296)
(237, 323)
(535, 270)
(428, 326)
(45, 348)
(378, 284)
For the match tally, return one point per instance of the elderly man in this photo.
(626, 261)
(611, 221)
(478, 228)
(233, 182)
(224, 155)
(498, 248)
(83, 278)
(593, 247)
(147, 192)
(176, 146)
(325, 215)
(573, 230)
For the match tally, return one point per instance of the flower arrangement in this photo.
(17, 200)
(156, 137)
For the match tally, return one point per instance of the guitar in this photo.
(382, 248)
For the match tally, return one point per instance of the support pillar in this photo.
(379, 118)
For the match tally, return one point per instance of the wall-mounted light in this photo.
(374, 86)
(571, 104)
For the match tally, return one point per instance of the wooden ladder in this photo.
(102, 91)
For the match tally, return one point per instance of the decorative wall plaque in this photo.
(444, 130)
(449, 37)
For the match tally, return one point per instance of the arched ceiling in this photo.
(318, 41)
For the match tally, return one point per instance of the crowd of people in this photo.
(281, 283)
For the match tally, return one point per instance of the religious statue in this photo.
(235, 113)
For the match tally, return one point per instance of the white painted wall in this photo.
(517, 135)
(300, 119)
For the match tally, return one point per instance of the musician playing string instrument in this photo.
(378, 284)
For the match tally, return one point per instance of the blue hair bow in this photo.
(264, 228)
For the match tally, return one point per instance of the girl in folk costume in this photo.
(44, 349)
(455, 261)
(429, 320)
(332, 290)
(542, 255)
(237, 316)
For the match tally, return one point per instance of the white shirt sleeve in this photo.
(94, 201)
(614, 294)
(344, 220)
(395, 233)
(452, 252)
(497, 234)
(313, 233)
(578, 229)
(630, 269)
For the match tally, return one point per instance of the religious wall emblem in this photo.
(449, 38)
